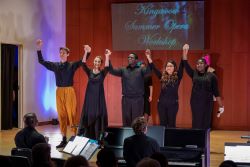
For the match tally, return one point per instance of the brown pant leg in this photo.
(61, 110)
(71, 107)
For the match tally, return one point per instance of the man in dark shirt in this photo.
(139, 146)
(28, 137)
(65, 93)
(132, 88)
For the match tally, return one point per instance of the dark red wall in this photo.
(227, 41)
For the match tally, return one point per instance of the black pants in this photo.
(132, 107)
(201, 106)
(167, 113)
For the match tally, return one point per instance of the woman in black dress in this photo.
(94, 117)
(204, 87)
(168, 104)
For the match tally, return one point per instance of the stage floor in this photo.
(217, 140)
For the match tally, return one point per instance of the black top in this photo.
(206, 81)
(94, 103)
(28, 137)
(170, 91)
(138, 147)
(132, 79)
(64, 72)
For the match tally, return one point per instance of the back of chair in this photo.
(24, 152)
(4, 159)
(14, 161)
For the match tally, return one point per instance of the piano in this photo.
(186, 147)
(116, 135)
(182, 147)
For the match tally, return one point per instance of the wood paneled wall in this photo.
(227, 41)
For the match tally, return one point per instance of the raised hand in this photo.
(185, 47)
(87, 48)
(185, 51)
(39, 44)
(148, 55)
(147, 52)
(107, 52)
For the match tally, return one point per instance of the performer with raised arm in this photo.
(132, 88)
(204, 87)
(170, 79)
(148, 92)
(65, 94)
(94, 118)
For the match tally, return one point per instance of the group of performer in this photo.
(94, 117)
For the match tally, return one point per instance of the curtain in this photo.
(7, 75)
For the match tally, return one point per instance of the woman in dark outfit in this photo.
(168, 104)
(94, 117)
(204, 87)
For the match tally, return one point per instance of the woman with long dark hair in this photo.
(170, 78)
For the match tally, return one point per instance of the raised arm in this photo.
(148, 69)
(180, 70)
(107, 54)
(87, 50)
(49, 65)
(151, 64)
(148, 55)
(106, 65)
(115, 72)
(189, 70)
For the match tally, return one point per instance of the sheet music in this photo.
(238, 153)
(80, 144)
(89, 149)
(69, 147)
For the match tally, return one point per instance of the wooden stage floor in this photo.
(217, 140)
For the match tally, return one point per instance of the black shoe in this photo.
(81, 132)
(62, 144)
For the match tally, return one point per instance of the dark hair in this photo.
(148, 162)
(139, 125)
(203, 60)
(166, 78)
(135, 55)
(161, 158)
(64, 48)
(41, 155)
(228, 163)
(30, 119)
(106, 158)
(76, 161)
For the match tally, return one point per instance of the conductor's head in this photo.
(139, 125)
(30, 120)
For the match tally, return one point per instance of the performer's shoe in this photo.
(62, 144)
